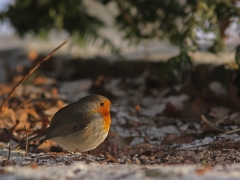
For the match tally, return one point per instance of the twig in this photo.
(218, 143)
(9, 152)
(26, 147)
(30, 72)
(232, 131)
(103, 161)
(204, 119)
(109, 156)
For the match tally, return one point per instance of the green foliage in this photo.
(173, 70)
(39, 17)
(175, 20)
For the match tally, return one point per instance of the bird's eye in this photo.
(101, 104)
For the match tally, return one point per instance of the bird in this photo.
(79, 126)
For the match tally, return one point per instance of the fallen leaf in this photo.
(4, 135)
(46, 145)
(170, 110)
(43, 80)
(183, 139)
(7, 117)
(201, 171)
(33, 165)
(33, 113)
(22, 116)
(168, 139)
(32, 55)
(159, 154)
(191, 159)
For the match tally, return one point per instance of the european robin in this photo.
(80, 126)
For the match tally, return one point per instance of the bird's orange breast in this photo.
(105, 112)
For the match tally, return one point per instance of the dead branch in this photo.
(9, 152)
(109, 156)
(26, 147)
(30, 72)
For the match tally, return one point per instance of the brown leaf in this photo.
(173, 139)
(204, 169)
(7, 118)
(3, 171)
(7, 163)
(51, 111)
(138, 149)
(112, 143)
(33, 165)
(33, 113)
(171, 110)
(55, 92)
(219, 112)
(121, 142)
(43, 80)
(191, 159)
(168, 139)
(104, 146)
(4, 135)
(22, 116)
(159, 154)
(183, 139)
(199, 107)
(5, 89)
(194, 110)
(109, 156)
(45, 147)
(191, 90)
(32, 55)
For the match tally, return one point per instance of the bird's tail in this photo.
(41, 135)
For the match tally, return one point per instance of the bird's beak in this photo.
(113, 104)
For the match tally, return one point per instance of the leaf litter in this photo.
(151, 125)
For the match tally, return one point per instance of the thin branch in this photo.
(30, 72)
(9, 152)
(109, 156)
(26, 146)
(232, 131)
(204, 119)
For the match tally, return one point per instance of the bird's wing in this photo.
(62, 124)
(65, 128)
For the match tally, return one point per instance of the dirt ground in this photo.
(169, 128)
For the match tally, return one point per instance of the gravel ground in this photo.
(82, 166)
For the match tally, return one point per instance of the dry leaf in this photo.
(51, 111)
(33, 113)
(46, 145)
(34, 165)
(43, 80)
(55, 92)
(183, 139)
(171, 110)
(168, 139)
(4, 135)
(199, 107)
(5, 89)
(22, 116)
(203, 170)
(159, 154)
(32, 55)
(7, 118)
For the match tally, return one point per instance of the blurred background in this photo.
(190, 31)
